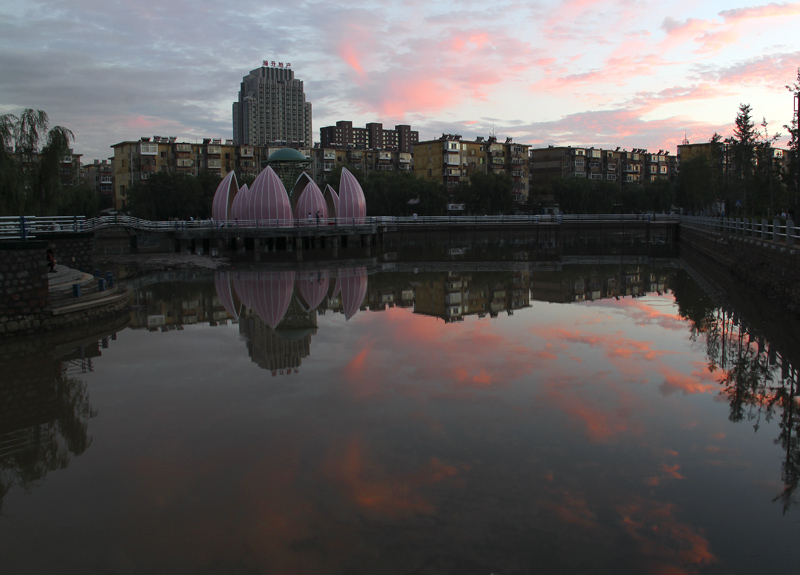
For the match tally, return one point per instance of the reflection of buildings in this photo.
(563, 287)
(456, 295)
(167, 307)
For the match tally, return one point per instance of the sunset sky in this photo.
(629, 73)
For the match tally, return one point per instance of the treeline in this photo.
(30, 163)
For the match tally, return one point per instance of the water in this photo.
(608, 417)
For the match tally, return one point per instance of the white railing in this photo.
(29, 227)
(777, 231)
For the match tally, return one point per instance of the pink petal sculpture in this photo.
(223, 198)
(267, 203)
(239, 201)
(311, 202)
(352, 208)
(331, 200)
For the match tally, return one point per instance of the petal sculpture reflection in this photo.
(267, 203)
(311, 203)
(313, 287)
(352, 208)
(268, 293)
(238, 206)
(222, 283)
(354, 289)
(244, 283)
(273, 295)
(223, 198)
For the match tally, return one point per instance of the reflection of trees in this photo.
(29, 452)
(759, 381)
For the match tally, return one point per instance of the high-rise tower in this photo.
(272, 109)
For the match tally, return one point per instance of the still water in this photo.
(599, 417)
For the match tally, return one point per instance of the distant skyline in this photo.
(603, 73)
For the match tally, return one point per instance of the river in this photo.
(604, 414)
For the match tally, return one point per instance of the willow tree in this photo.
(29, 163)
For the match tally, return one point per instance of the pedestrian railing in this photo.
(29, 227)
(777, 230)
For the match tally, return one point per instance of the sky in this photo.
(603, 73)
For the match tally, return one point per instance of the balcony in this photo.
(214, 164)
(183, 147)
(214, 150)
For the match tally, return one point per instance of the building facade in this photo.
(135, 161)
(373, 136)
(272, 109)
(635, 166)
(99, 176)
(69, 170)
(367, 161)
(452, 160)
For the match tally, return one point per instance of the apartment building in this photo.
(69, 169)
(373, 136)
(99, 176)
(637, 165)
(452, 160)
(137, 160)
(367, 161)
(272, 109)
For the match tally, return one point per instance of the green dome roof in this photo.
(286, 155)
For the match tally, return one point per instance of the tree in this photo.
(166, 195)
(694, 187)
(29, 162)
(743, 152)
(487, 193)
(389, 194)
(792, 174)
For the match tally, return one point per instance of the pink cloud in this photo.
(771, 10)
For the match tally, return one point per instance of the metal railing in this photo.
(777, 231)
(30, 227)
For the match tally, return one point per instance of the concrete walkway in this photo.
(61, 286)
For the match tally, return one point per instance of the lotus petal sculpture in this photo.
(267, 203)
(352, 207)
(331, 200)
(311, 203)
(237, 207)
(223, 198)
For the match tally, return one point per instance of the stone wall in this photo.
(24, 298)
(24, 295)
(770, 267)
(73, 250)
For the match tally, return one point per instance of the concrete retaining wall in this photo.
(770, 267)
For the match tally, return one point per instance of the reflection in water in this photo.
(44, 406)
(759, 380)
(463, 421)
